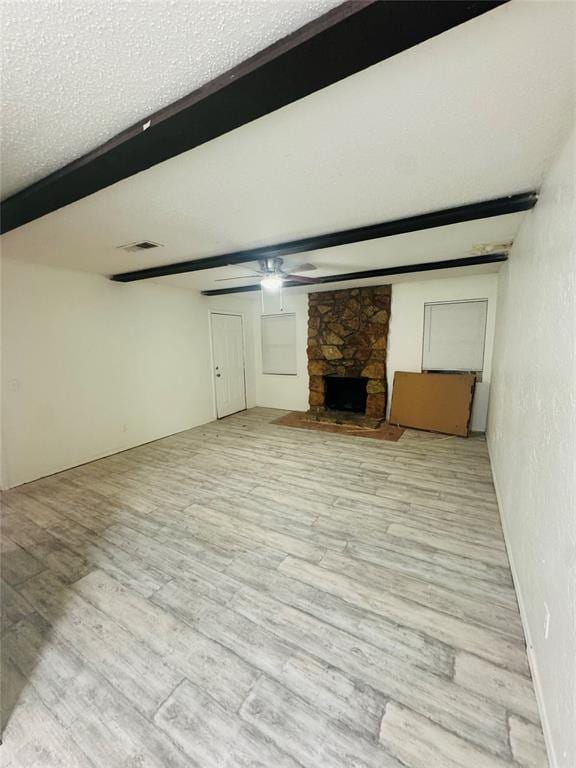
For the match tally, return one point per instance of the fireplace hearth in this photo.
(345, 393)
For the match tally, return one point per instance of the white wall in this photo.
(92, 367)
(407, 328)
(405, 340)
(290, 392)
(532, 441)
(2, 459)
(269, 390)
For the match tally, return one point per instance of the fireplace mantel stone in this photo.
(348, 336)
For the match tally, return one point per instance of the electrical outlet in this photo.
(546, 622)
(124, 428)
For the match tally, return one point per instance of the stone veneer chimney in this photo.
(348, 336)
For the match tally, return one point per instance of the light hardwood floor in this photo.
(245, 594)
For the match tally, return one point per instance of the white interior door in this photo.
(228, 353)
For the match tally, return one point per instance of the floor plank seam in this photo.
(355, 606)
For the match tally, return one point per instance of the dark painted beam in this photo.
(483, 210)
(351, 37)
(385, 272)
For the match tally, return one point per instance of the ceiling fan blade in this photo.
(238, 277)
(304, 268)
(300, 279)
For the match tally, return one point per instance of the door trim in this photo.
(212, 362)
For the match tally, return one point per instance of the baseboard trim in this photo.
(532, 662)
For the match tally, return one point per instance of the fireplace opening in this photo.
(345, 393)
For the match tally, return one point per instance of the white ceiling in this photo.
(473, 114)
(76, 72)
(452, 242)
(438, 274)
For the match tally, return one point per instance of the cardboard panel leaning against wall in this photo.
(407, 326)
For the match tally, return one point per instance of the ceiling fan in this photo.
(272, 275)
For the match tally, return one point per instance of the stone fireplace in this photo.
(347, 340)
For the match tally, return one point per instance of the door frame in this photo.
(212, 361)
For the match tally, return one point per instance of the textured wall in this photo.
(348, 336)
(532, 440)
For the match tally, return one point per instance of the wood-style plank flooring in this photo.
(250, 595)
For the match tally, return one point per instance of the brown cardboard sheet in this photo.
(438, 402)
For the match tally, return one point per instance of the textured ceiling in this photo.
(76, 72)
(473, 114)
(439, 244)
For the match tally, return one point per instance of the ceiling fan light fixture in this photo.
(271, 283)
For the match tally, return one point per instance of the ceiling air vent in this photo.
(143, 245)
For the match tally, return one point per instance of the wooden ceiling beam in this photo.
(346, 40)
(481, 210)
